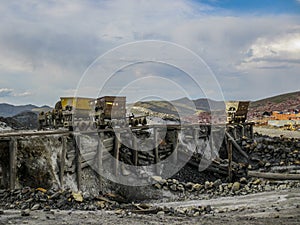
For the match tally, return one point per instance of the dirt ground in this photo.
(276, 207)
(277, 132)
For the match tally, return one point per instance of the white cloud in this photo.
(9, 92)
(46, 46)
(279, 51)
(4, 92)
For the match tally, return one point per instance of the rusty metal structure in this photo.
(107, 116)
(100, 113)
(237, 111)
(73, 158)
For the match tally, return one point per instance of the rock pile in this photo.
(29, 199)
(42, 199)
(266, 152)
(218, 188)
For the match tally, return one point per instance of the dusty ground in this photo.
(280, 207)
(277, 132)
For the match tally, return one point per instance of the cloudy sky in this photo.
(252, 48)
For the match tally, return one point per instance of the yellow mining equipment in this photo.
(78, 103)
(237, 111)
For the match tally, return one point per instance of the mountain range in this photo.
(21, 116)
(26, 115)
(8, 110)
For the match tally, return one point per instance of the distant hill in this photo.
(283, 102)
(22, 116)
(8, 110)
(24, 120)
(184, 106)
(288, 101)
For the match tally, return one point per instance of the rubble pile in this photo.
(29, 199)
(218, 188)
(40, 198)
(266, 152)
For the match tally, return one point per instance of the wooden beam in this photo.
(174, 147)
(134, 152)
(13, 147)
(274, 176)
(78, 160)
(100, 149)
(236, 145)
(116, 153)
(229, 151)
(62, 161)
(156, 156)
(251, 131)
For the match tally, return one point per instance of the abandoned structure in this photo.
(66, 158)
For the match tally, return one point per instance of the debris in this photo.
(25, 212)
(41, 190)
(236, 186)
(275, 176)
(77, 196)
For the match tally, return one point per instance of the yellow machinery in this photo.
(63, 113)
(237, 111)
(82, 113)
(69, 103)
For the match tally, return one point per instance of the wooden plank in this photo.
(13, 147)
(33, 133)
(229, 151)
(62, 161)
(100, 155)
(174, 147)
(236, 145)
(243, 130)
(116, 153)
(251, 131)
(78, 161)
(274, 176)
(156, 156)
(134, 152)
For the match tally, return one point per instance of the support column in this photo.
(100, 149)
(174, 146)
(196, 136)
(134, 152)
(62, 160)
(78, 161)
(156, 156)
(251, 131)
(116, 153)
(229, 151)
(13, 147)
